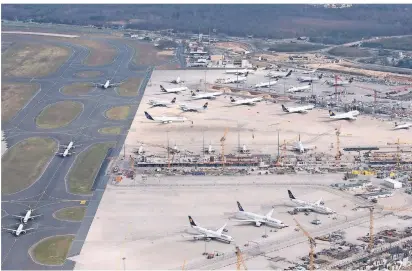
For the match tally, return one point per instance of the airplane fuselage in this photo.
(312, 207)
(19, 230)
(68, 148)
(107, 84)
(212, 234)
(27, 217)
(268, 221)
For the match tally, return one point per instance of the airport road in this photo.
(49, 193)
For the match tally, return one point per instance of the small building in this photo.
(394, 184)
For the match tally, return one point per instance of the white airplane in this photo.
(243, 149)
(351, 115)
(279, 74)
(339, 83)
(177, 81)
(239, 72)
(191, 108)
(210, 234)
(266, 84)
(24, 219)
(239, 79)
(251, 101)
(107, 85)
(299, 89)
(310, 79)
(140, 151)
(300, 148)
(300, 109)
(257, 219)
(209, 149)
(173, 90)
(67, 149)
(205, 95)
(310, 206)
(19, 230)
(165, 119)
(155, 103)
(402, 126)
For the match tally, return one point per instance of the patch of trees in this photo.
(348, 52)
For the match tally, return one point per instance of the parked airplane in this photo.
(19, 230)
(67, 149)
(310, 206)
(310, 79)
(402, 126)
(155, 103)
(177, 81)
(258, 219)
(278, 75)
(165, 119)
(309, 72)
(239, 72)
(205, 95)
(141, 150)
(24, 219)
(173, 90)
(243, 149)
(339, 83)
(251, 101)
(209, 149)
(107, 85)
(351, 115)
(210, 234)
(266, 84)
(191, 108)
(299, 89)
(300, 148)
(300, 109)
(238, 79)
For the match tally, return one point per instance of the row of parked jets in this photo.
(23, 221)
(257, 219)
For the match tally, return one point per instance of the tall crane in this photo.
(374, 95)
(312, 245)
(338, 152)
(240, 260)
(222, 143)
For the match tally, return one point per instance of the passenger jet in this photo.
(251, 101)
(157, 103)
(402, 126)
(107, 85)
(67, 149)
(192, 108)
(210, 234)
(299, 89)
(300, 109)
(351, 115)
(257, 219)
(19, 230)
(310, 206)
(24, 219)
(165, 119)
(205, 95)
(172, 90)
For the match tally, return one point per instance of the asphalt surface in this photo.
(49, 193)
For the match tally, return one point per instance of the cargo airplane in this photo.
(402, 126)
(205, 95)
(351, 115)
(165, 119)
(67, 149)
(257, 219)
(251, 101)
(24, 219)
(158, 103)
(210, 234)
(306, 79)
(19, 230)
(191, 108)
(266, 84)
(172, 90)
(299, 89)
(107, 85)
(300, 109)
(310, 206)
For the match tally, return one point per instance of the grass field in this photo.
(77, 89)
(32, 59)
(59, 114)
(88, 74)
(118, 112)
(403, 43)
(24, 162)
(82, 175)
(101, 53)
(111, 130)
(71, 213)
(53, 250)
(147, 54)
(294, 47)
(130, 87)
(349, 52)
(14, 96)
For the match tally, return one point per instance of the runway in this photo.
(49, 193)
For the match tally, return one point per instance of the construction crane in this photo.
(374, 95)
(282, 155)
(312, 245)
(240, 260)
(398, 151)
(222, 143)
(338, 152)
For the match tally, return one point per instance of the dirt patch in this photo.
(349, 52)
(101, 53)
(59, 114)
(77, 89)
(130, 87)
(234, 46)
(88, 74)
(111, 130)
(13, 97)
(168, 66)
(33, 59)
(71, 213)
(52, 250)
(118, 112)
(24, 162)
(147, 54)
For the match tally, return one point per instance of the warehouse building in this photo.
(394, 184)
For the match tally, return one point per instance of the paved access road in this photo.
(49, 193)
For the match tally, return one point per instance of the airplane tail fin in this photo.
(148, 116)
(174, 100)
(246, 74)
(289, 73)
(320, 76)
(351, 80)
(205, 105)
(232, 99)
(193, 94)
(240, 206)
(396, 124)
(162, 88)
(192, 222)
(220, 230)
(285, 109)
(331, 113)
(291, 196)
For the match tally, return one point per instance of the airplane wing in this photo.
(29, 229)
(247, 220)
(12, 230)
(115, 85)
(319, 201)
(18, 216)
(220, 230)
(33, 216)
(303, 208)
(269, 214)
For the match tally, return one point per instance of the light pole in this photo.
(124, 263)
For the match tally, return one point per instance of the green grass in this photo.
(23, 163)
(53, 250)
(115, 130)
(349, 52)
(294, 47)
(82, 175)
(130, 87)
(88, 74)
(71, 213)
(403, 43)
(118, 112)
(59, 114)
(77, 89)
(13, 97)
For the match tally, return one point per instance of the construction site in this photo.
(201, 166)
